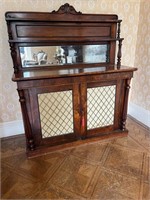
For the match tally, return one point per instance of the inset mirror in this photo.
(63, 55)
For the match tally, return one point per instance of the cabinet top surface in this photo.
(71, 72)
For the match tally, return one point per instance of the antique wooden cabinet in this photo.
(70, 89)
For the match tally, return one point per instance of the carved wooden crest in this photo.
(66, 9)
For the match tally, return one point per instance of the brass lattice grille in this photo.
(100, 106)
(56, 113)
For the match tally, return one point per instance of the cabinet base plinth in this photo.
(43, 150)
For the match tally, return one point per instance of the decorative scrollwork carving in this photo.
(66, 9)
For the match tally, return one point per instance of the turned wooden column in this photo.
(119, 55)
(27, 125)
(124, 115)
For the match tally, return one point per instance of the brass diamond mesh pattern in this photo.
(100, 106)
(56, 113)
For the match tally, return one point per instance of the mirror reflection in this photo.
(63, 55)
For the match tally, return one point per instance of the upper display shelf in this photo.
(64, 37)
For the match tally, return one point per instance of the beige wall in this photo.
(128, 11)
(141, 85)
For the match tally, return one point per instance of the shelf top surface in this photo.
(38, 74)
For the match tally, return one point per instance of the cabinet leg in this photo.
(31, 144)
(124, 116)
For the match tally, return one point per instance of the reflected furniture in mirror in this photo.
(70, 87)
(39, 58)
(63, 55)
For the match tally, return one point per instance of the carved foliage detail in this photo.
(67, 9)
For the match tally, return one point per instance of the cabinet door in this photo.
(102, 108)
(53, 114)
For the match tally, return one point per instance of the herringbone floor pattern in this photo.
(116, 169)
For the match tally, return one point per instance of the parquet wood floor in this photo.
(116, 169)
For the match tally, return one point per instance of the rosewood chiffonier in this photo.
(71, 88)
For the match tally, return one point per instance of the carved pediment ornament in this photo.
(66, 9)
